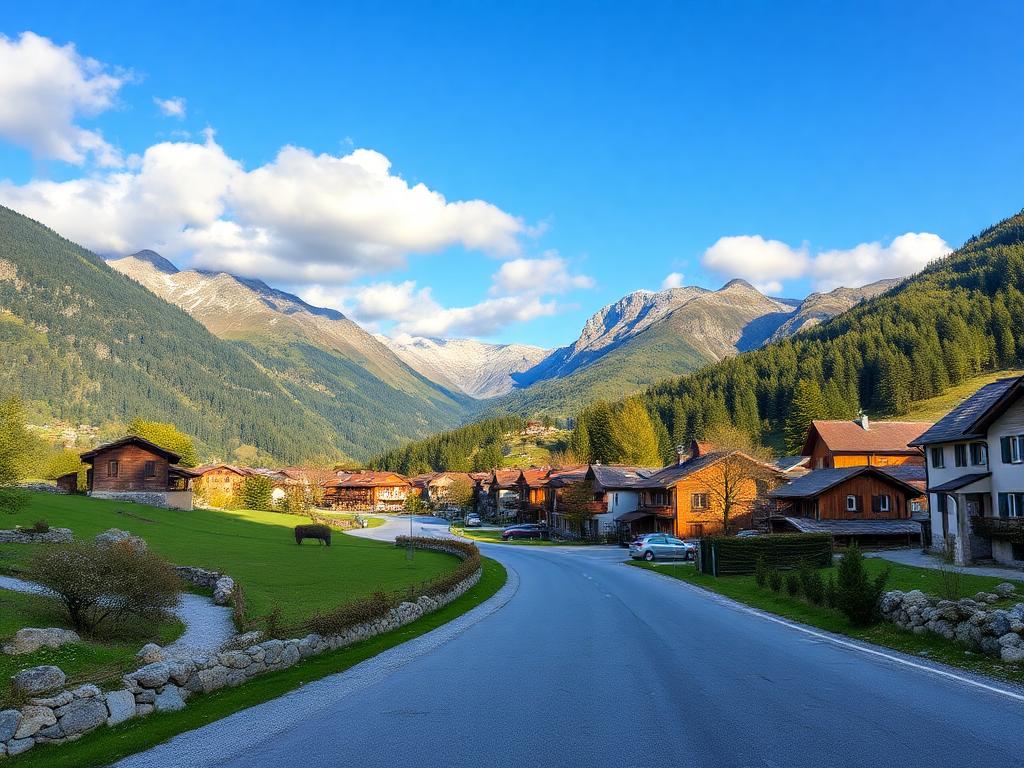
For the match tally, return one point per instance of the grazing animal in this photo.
(320, 532)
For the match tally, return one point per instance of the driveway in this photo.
(922, 560)
(583, 661)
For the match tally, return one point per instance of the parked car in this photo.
(473, 521)
(660, 546)
(747, 533)
(523, 531)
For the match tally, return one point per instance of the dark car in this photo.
(524, 531)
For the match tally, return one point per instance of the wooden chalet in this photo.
(854, 443)
(368, 491)
(134, 469)
(220, 480)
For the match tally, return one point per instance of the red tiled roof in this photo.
(367, 479)
(880, 436)
(505, 477)
(535, 477)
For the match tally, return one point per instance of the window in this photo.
(960, 455)
(112, 468)
(915, 506)
(699, 501)
(1012, 448)
(852, 503)
(941, 503)
(1011, 504)
(938, 457)
(150, 469)
(881, 503)
(979, 454)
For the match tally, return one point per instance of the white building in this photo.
(975, 471)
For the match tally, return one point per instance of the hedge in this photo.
(730, 555)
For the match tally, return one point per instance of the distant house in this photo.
(504, 495)
(854, 443)
(976, 475)
(867, 504)
(220, 480)
(534, 494)
(686, 499)
(434, 486)
(367, 490)
(134, 469)
(558, 481)
(617, 492)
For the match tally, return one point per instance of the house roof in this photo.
(818, 481)
(960, 482)
(142, 442)
(506, 478)
(628, 517)
(672, 474)
(563, 476)
(175, 469)
(243, 471)
(367, 479)
(608, 476)
(535, 477)
(845, 436)
(854, 527)
(965, 420)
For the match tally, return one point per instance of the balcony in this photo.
(1009, 528)
(661, 510)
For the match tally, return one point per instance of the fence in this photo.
(720, 556)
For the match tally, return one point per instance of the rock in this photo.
(245, 641)
(120, 706)
(1006, 589)
(169, 699)
(83, 715)
(32, 639)
(272, 650)
(17, 746)
(142, 710)
(1011, 653)
(86, 691)
(213, 678)
(150, 653)
(289, 655)
(235, 659)
(38, 679)
(223, 590)
(53, 702)
(997, 623)
(152, 675)
(32, 720)
(1010, 639)
(115, 536)
(9, 721)
(145, 696)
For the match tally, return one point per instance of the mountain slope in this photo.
(82, 343)
(321, 357)
(476, 368)
(819, 307)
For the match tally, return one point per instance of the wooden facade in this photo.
(368, 491)
(838, 444)
(862, 493)
(220, 479)
(134, 464)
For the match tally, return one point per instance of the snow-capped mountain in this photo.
(477, 368)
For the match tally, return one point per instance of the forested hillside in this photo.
(476, 446)
(950, 322)
(83, 343)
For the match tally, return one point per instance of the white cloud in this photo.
(548, 275)
(767, 263)
(868, 262)
(172, 107)
(45, 89)
(672, 280)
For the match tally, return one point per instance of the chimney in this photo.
(863, 419)
(682, 453)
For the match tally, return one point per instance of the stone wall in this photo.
(167, 499)
(223, 586)
(53, 536)
(165, 684)
(973, 623)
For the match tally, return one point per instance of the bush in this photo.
(238, 607)
(39, 526)
(775, 580)
(350, 614)
(272, 626)
(106, 584)
(257, 492)
(739, 555)
(829, 597)
(793, 583)
(857, 594)
(812, 584)
(761, 572)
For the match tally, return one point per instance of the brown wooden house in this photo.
(219, 482)
(865, 503)
(368, 490)
(860, 442)
(134, 469)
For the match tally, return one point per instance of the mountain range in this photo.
(208, 338)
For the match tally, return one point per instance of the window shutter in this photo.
(1004, 510)
(876, 503)
(1004, 446)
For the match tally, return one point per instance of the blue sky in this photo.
(609, 146)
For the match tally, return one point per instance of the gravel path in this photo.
(207, 626)
(922, 560)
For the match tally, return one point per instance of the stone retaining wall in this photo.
(53, 536)
(166, 684)
(223, 586)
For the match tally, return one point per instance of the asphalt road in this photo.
(592, 663)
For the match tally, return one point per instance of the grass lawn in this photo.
(744, 589)
(494, 537)
(95, 660)
(256, 548)
(107, 745)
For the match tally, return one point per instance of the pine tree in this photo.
(15, 445)
(808, 405)
(633, 436)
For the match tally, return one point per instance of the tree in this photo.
(257, 492)
(15, 447)
(167, 436)
(633, 437)
(296, 501)
(574, 505)
(808, 404)
(460, 494)
(579, 440)
(413, 504)
(856, 593)
(734, 482)
(106, 583)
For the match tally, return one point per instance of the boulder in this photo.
(1006, 589)
(34, 719)
(86, 691)
(145, 696)
(113, 536)
(38, 680)
(9, 721)
(150, 653)
(142, 710)
(223, 589)
(1011, 653)
(169, 699)
(152, 675)
(83, 715)
(53, 702)
(213, 678)
(17, 746)
(120, 706)
(31, 639)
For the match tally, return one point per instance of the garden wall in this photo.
(167, 682)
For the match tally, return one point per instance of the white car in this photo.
(473, 521)
(661, 546)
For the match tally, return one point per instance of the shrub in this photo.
(857, 594)
(350, 614)
(829, 597)
(813, 586)
(793, 583)
(739, 555)
(761, 572)
(39, 526)
(775, 580)
(106, 584)
(238, 607)
(272, 626)
(257, 492)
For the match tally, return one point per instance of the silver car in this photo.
(661, 546)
